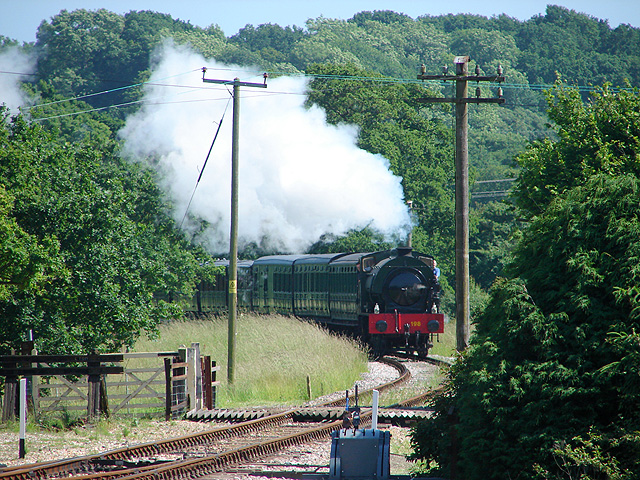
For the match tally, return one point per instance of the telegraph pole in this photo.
(233, 242)
(461, 102)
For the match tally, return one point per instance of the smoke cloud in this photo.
(299, 178)
(17, 66)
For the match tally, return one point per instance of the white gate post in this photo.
(198, 370)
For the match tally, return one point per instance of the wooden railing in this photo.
(183, 381)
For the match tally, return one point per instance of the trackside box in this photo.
(359, 454)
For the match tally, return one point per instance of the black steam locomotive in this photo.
(390, 298)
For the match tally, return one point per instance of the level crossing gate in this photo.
(160, 383)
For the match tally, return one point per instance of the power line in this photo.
(103, 92)
(383, 80)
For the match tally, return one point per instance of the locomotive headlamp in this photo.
(381, 326)
(433, 326)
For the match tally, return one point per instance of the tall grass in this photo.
(274, 356)
(446, 346)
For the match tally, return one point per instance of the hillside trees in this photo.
(27, 263)
(83, 52)
(546, 389)
(86, 52)
(272, 42)
(99, 239)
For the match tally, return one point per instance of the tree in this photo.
(486, 48)
(83, 52)
(494, 231)
(79, 50)
(269, 40)
(27, 264)
(56, 113)
(117, 243)
(365, 240)
(382, 16)
(601, 136)
(545, 391)
(543, 378)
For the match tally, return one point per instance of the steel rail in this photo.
(403, 371)
(218, 463)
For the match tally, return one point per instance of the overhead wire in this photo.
(103, 92)
(383, 80)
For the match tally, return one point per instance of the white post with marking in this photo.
(374, 413)
(23, 416)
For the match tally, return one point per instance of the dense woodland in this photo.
(549, 387)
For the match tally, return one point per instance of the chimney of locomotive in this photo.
(403, 251)
(410, 234)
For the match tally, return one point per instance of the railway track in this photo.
(202, 453)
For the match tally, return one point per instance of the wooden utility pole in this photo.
(461, 102)
(233, 242)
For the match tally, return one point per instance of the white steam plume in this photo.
(15, 67)
(299, 178)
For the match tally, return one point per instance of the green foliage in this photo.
(27, 264)
(272, 42)
(95, 236)
(544, 383)
(601, 136)
(577, 45)
(385, 42)
(56, 113)
(494, 228)
(83, 52)
(365, 240)
(382, 16)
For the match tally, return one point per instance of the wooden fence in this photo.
(171, 384)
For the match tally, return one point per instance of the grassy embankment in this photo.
(274, 356)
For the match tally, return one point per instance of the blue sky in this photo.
(20, 19)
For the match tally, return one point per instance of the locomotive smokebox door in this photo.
(359, 454)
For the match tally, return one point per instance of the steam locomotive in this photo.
(390, 298)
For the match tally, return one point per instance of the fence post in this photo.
(191, 378)
(198, 371)
(214, 371)
(181, 393)
(167, 389)
(93, 395)
(206, 382)
(35, 387)
(104, 398)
